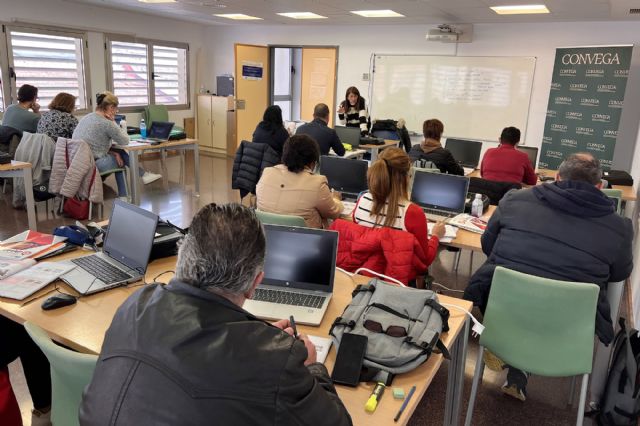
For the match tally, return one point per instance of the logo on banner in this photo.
(603, 118)
(554, 154)
(551, 113)
(607, 88)
(606, 163)
(610, 134)
(547, 139)
(615, 104)
(556, 86)
(578, 87)
(591, 102)
(572, 115)
(594, 73)
(590, 58)
(599, 147)
(563, 100)
(559, 128)
(586, 131)
(571, 143)
(621, 73)
(568, 72)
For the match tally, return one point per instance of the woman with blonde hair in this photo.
(99, 130)
(387, 204)
(430, 149)
(59, 121)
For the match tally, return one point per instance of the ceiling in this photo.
(415, 11)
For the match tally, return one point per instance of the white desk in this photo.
(21, 169)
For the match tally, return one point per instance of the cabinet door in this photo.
(219, 106)
(205, 138)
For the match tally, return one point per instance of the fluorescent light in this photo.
(520, 9)
(237, 16)
(302, 15)
(157, 1)
(384, 13)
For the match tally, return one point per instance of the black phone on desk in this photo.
(346, 370)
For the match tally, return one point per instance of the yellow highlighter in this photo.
(373, 400)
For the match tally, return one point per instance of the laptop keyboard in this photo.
(102, 269)
(288, 298)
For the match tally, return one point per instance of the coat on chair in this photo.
(251, 159)
(77, 179)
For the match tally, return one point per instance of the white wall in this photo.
(100, 20)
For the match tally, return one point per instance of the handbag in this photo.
(75, 207)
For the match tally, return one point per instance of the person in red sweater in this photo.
(505, 163)
(387, 202)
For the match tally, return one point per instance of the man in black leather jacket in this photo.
(188, 354)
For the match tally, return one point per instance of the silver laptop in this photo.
(441, 196)
(158, 132)
(299, 269)
(125, 253)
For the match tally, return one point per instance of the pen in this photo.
(292, 323)
(404, 404)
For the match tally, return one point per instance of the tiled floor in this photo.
(547, 397)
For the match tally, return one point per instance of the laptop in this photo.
(346, 175)
(441, 196)
(350, 135)
(125, 253)
(532, 152)
(299, 269)
(465, 152)
(158, 132)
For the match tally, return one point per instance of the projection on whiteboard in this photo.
(475, 97)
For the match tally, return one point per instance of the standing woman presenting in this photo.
(352, 112)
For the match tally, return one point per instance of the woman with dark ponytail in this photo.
(387, 201)
(271, 129)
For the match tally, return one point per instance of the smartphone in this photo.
(346, 370)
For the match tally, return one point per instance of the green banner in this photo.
(585, 103)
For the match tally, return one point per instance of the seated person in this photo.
(505, 163)
(291, 187)
(99, 130)
(430, 149)
(59, 121)
(387, 201)
(18, 115)
(567, 230)
(326, 137)
(187, 353)
(271, 129)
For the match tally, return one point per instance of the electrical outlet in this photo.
(365, 76)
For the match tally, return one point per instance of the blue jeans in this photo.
(108, 162)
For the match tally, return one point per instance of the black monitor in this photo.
(344, 174)
(532, 152)
(350, 135)
(465, 152)
(160, 129)
(439, 191)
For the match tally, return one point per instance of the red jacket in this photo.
(388, 251)
(506, 164)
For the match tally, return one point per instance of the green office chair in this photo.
(615, 194)
(539, 325)
(280, 219)
(155, 113)
(71, 372)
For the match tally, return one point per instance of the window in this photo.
(144, 72)
(51, 60)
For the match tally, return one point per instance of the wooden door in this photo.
(318, 81)
(252, 88)
(204, 121)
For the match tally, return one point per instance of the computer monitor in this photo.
(350, 135)
(444, 192)
(532, 152)
(344, 174)
(465, 152)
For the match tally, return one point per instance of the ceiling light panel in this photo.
(385, 13)
(237, 16)
(302, 15)
(520, 9)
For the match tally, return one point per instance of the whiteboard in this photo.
(475, 97)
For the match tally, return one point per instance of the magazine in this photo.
(23, 284)
(28, 244)
(9, 267)
(470, 223)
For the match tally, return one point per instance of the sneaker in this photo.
(149, 177)
(516, 384)
(493, 362)
(38, 418)
(125, 199)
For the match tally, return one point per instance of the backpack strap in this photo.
(350, 316)
(444, 312)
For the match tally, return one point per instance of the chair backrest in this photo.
(280, 219)
(155, 113)
(71, 372)
(615, 194)
(541, 325)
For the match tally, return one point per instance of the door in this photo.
(318, 81)
(252, 88)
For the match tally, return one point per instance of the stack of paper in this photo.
(29, 244)
(469, 223)
(23, 284)
(450, 232)
(322, 344)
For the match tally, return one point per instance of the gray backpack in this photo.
(403, 326)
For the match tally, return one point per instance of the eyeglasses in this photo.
(392, 330)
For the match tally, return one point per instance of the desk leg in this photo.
(196, 168)
(374, 154)
(31, 206)
(455, 383)
(134, 178)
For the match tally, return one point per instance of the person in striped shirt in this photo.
(352, 112)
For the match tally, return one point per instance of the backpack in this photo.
(384, 305)
(620, 404)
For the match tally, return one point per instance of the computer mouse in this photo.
(58, 301)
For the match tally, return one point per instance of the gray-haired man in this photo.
(187, 353)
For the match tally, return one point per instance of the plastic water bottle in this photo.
(476, 206)
(143, 128)
(123, 125)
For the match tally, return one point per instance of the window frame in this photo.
(7, 61)
(151, 87)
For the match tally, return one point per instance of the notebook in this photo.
(299, 270)
(441, 196)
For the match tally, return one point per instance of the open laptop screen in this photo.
(130, 235)
(465, 152)
(344, 174)
(440, 191)
(350, 135)
(160, 130)
(300, 257)
(532, 152)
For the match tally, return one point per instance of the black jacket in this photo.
(251, 159)
(565, 231)
(326, 137)
(9, 139)
(179, 355)
(275, 139)
(441, 157)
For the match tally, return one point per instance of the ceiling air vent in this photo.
(634, 11)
